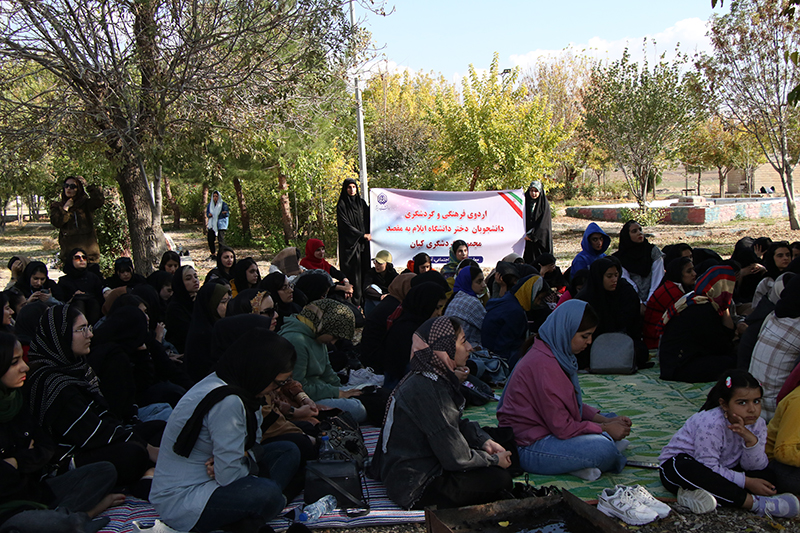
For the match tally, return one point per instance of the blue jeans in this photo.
(253, 498)
(552, 456)
(155, 411)
(351, 405)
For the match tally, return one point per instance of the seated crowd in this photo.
(206, 398)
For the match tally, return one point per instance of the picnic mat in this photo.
(657, 409)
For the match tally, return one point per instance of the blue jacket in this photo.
(222, 221)
(588, 256)
(505, 326)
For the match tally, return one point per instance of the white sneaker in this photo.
(621, 503)
(699, 501)
(644, 496)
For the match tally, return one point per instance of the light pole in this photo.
(362, 156)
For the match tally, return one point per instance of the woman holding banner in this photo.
(352, 219)
(538, 223)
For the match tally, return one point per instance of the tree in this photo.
(130, 72)
(750, 75)
(637, 114)
(492, 133)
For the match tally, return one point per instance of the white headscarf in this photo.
(215, 209)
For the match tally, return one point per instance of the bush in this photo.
(644, 216)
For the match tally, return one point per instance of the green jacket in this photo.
(313, 368)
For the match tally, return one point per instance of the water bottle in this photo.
(324, 505)
(326, 451)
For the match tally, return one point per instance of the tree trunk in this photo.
(173, 203)
(157, 197)
(699, 178)
(474, 182)
(201, 216)
(286, 210)
(788, 189)
(244, 215)
(147, 238)
(721, 182)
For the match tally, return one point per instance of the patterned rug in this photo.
(657, 408)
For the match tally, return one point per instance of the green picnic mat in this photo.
(657, 408)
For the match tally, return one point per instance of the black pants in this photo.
(212, 237)
(684, 471)
(788, 476)
(472, 487)
(703, 369)
(81, 489)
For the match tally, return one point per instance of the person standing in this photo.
(352, 219)
(72, 215)
(538, 223)
(217, 214)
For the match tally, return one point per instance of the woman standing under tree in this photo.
(352, 219)
(538, 223)
(217, 214)
(72, 215)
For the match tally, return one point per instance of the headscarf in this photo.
(714, 287)
(179, 292)
(220, 270)
(28, 320)
(311, 262)
(169, 255)
(24, 283)
(242, 304)
(69, 268)
(538, 219)
(328, 316)
(557, 332)
(789, 304)
(314, 286)
(153, 301)
(23, 258)
(240, 274)
(350, 209)
(54, 366)
(421, 301)
(635, 257)
(617, 309)
(769, 258)
(230, 328)
(272, 283)
(126, 326)
(215, 209)
(451, 268)
(527, 289)
(400, 285)
(417, 261)
(80, 193)
(464, 280)
(675, 251)
(248, 367)
(674, 272)
(743, 252)
(160, 279)
(431, 276)
(287, 261)
(10, 400)
(513, 258)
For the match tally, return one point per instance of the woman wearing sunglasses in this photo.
(72, 215)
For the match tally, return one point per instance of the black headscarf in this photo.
(743, 252)
(248, 366)
(69, 268)
(314, 286)
(154, 303)
(240, 274)
(769, 258)
(168, 256)
(353, 212)
(28, 321)
(230, 328)
(24, 282)
(126, 326)
(619, 309)
(419, 260)
(198, 355)
(538, 220)
(635, 257)
(431, 276)
(122, 264)
(789, 304)
(179, 292)
(674, 271)
(53, 365)
(674, 251)
(272, 283)
(160, 279)
(578, 279)
(219, 271)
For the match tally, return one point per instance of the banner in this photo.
(409, 222)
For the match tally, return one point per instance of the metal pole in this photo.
(362, 155)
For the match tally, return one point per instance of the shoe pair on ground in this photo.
(633, 505)
(781, 506)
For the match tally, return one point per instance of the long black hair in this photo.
(730, 381)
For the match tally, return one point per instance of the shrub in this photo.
(647, 216)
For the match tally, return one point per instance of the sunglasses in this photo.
(270, 312)
(80, 257)
(70, 186)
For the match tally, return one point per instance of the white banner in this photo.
(409, 222)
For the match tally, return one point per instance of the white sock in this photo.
(622, 445)
(754, 507)
(588, 474)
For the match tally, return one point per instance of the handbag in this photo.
(342, 479)
(612, 353)
(345, 437)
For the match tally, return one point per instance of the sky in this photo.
(446, 36)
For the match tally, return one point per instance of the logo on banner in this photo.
(382, 199)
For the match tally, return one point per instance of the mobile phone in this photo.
(45, 291)
(369, 389)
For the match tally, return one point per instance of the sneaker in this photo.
(620, 502)
(780, 506)
(644, 496)
(699, 501)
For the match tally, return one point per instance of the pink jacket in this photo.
(539, 400)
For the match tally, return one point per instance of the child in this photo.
(719, 454)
